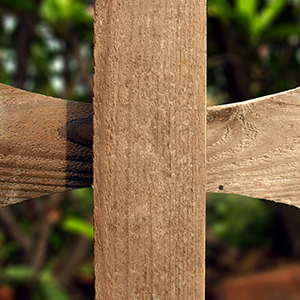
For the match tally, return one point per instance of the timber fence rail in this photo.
(150, 147)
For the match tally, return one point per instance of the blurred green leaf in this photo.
(266, 17)
(246, 8)
(85, 198)
(61, 12)
(87, 269)
(245, 14)
(18, 273)
(85, 194)
(220, 9)
(79, 226)
(241, 221)
(50, 290)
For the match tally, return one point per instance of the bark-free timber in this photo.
(45, 145)
(149, 149)
(253, 148)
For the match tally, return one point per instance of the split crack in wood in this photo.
(46, 146)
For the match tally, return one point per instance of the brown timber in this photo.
(149, 149)
(45, 145)
(253, 148)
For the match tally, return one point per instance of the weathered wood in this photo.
(149, 149)
(253, 148)
(45, 145)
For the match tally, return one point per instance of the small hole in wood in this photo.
(221, 187)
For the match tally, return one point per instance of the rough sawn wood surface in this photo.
(149, 149)
(253, 148)
(45, 145)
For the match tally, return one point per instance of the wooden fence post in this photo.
(149, 149)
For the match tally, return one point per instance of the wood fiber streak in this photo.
(149, 149)
(41, 151)
(253, 148)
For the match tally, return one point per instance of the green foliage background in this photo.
(46, 47)
(253, 47)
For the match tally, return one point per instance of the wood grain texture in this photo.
(45, 145)
(253, 148)
(149, 149)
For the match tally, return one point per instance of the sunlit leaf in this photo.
(78, 226)
(246, 8)
(62, 12)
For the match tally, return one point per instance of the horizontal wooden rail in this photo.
(45, 145)
(253, 147)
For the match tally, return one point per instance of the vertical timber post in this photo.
(149, 149)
